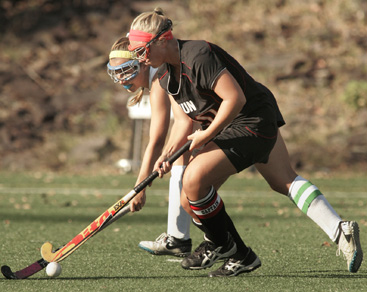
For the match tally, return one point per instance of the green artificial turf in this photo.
(296, 255)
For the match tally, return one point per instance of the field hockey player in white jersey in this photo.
(127, 71)
(241, 121)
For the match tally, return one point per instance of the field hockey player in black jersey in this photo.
(240, 122)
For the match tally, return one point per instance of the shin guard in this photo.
(211, 212)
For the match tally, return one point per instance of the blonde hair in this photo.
(122, 44)
(151, 22)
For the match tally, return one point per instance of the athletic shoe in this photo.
(350, 246)
(166, 244)
(233, 267)
(207, 253)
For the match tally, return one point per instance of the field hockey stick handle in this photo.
(155, 173)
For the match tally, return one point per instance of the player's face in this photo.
(127, 73)
(149, 55)
(141, 49)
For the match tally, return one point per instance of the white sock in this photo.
(312, 202)
(178, 220)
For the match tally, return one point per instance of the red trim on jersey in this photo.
(165, 73)
(186, 65)
(210, 47)
(184, 74)
(257, 134)
(243, 76)
(212, 96)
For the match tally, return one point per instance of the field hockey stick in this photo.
(41, 263)
(99, 223)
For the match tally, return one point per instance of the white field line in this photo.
(157, 192)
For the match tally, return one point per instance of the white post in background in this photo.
(138, 113)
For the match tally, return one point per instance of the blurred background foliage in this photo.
(60, 111)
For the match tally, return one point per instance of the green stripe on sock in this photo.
(301, 190)
(309, 199)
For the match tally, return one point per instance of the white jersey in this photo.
(152, 72)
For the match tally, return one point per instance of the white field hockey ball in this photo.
(53, 269)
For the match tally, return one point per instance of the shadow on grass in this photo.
(324, 274)
(108, 278)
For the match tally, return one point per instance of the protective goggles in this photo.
(123, 72)
(142, 51)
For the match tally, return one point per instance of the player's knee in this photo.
(185, 204)
(279, 188)
(281, 181)
(191, 182)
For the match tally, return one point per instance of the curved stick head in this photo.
(7, 272)
(46, 251)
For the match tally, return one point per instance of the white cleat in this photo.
(350, 245)
(166, 244)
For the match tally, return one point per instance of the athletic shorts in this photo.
(249, 140)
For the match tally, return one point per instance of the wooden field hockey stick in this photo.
(41, 263)
(111, 214)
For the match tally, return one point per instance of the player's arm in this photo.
(159, 125)
(182, 127)
(233, 100)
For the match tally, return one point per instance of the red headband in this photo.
(142, 36)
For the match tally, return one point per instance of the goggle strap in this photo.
(124, 66)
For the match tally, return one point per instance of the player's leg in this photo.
(196, 221)
(210, 168)
(178, 221)
(308, 198)
(176, 241)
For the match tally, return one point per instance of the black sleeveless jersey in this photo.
(201, 64)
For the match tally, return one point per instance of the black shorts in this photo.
(249, 140)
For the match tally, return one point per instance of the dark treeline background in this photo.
(60, 111)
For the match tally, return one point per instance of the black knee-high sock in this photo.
(241, 246)
(208, 234)
(228, 226)
(201, 227)
(212, 216)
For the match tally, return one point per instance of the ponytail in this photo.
(137, 98)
